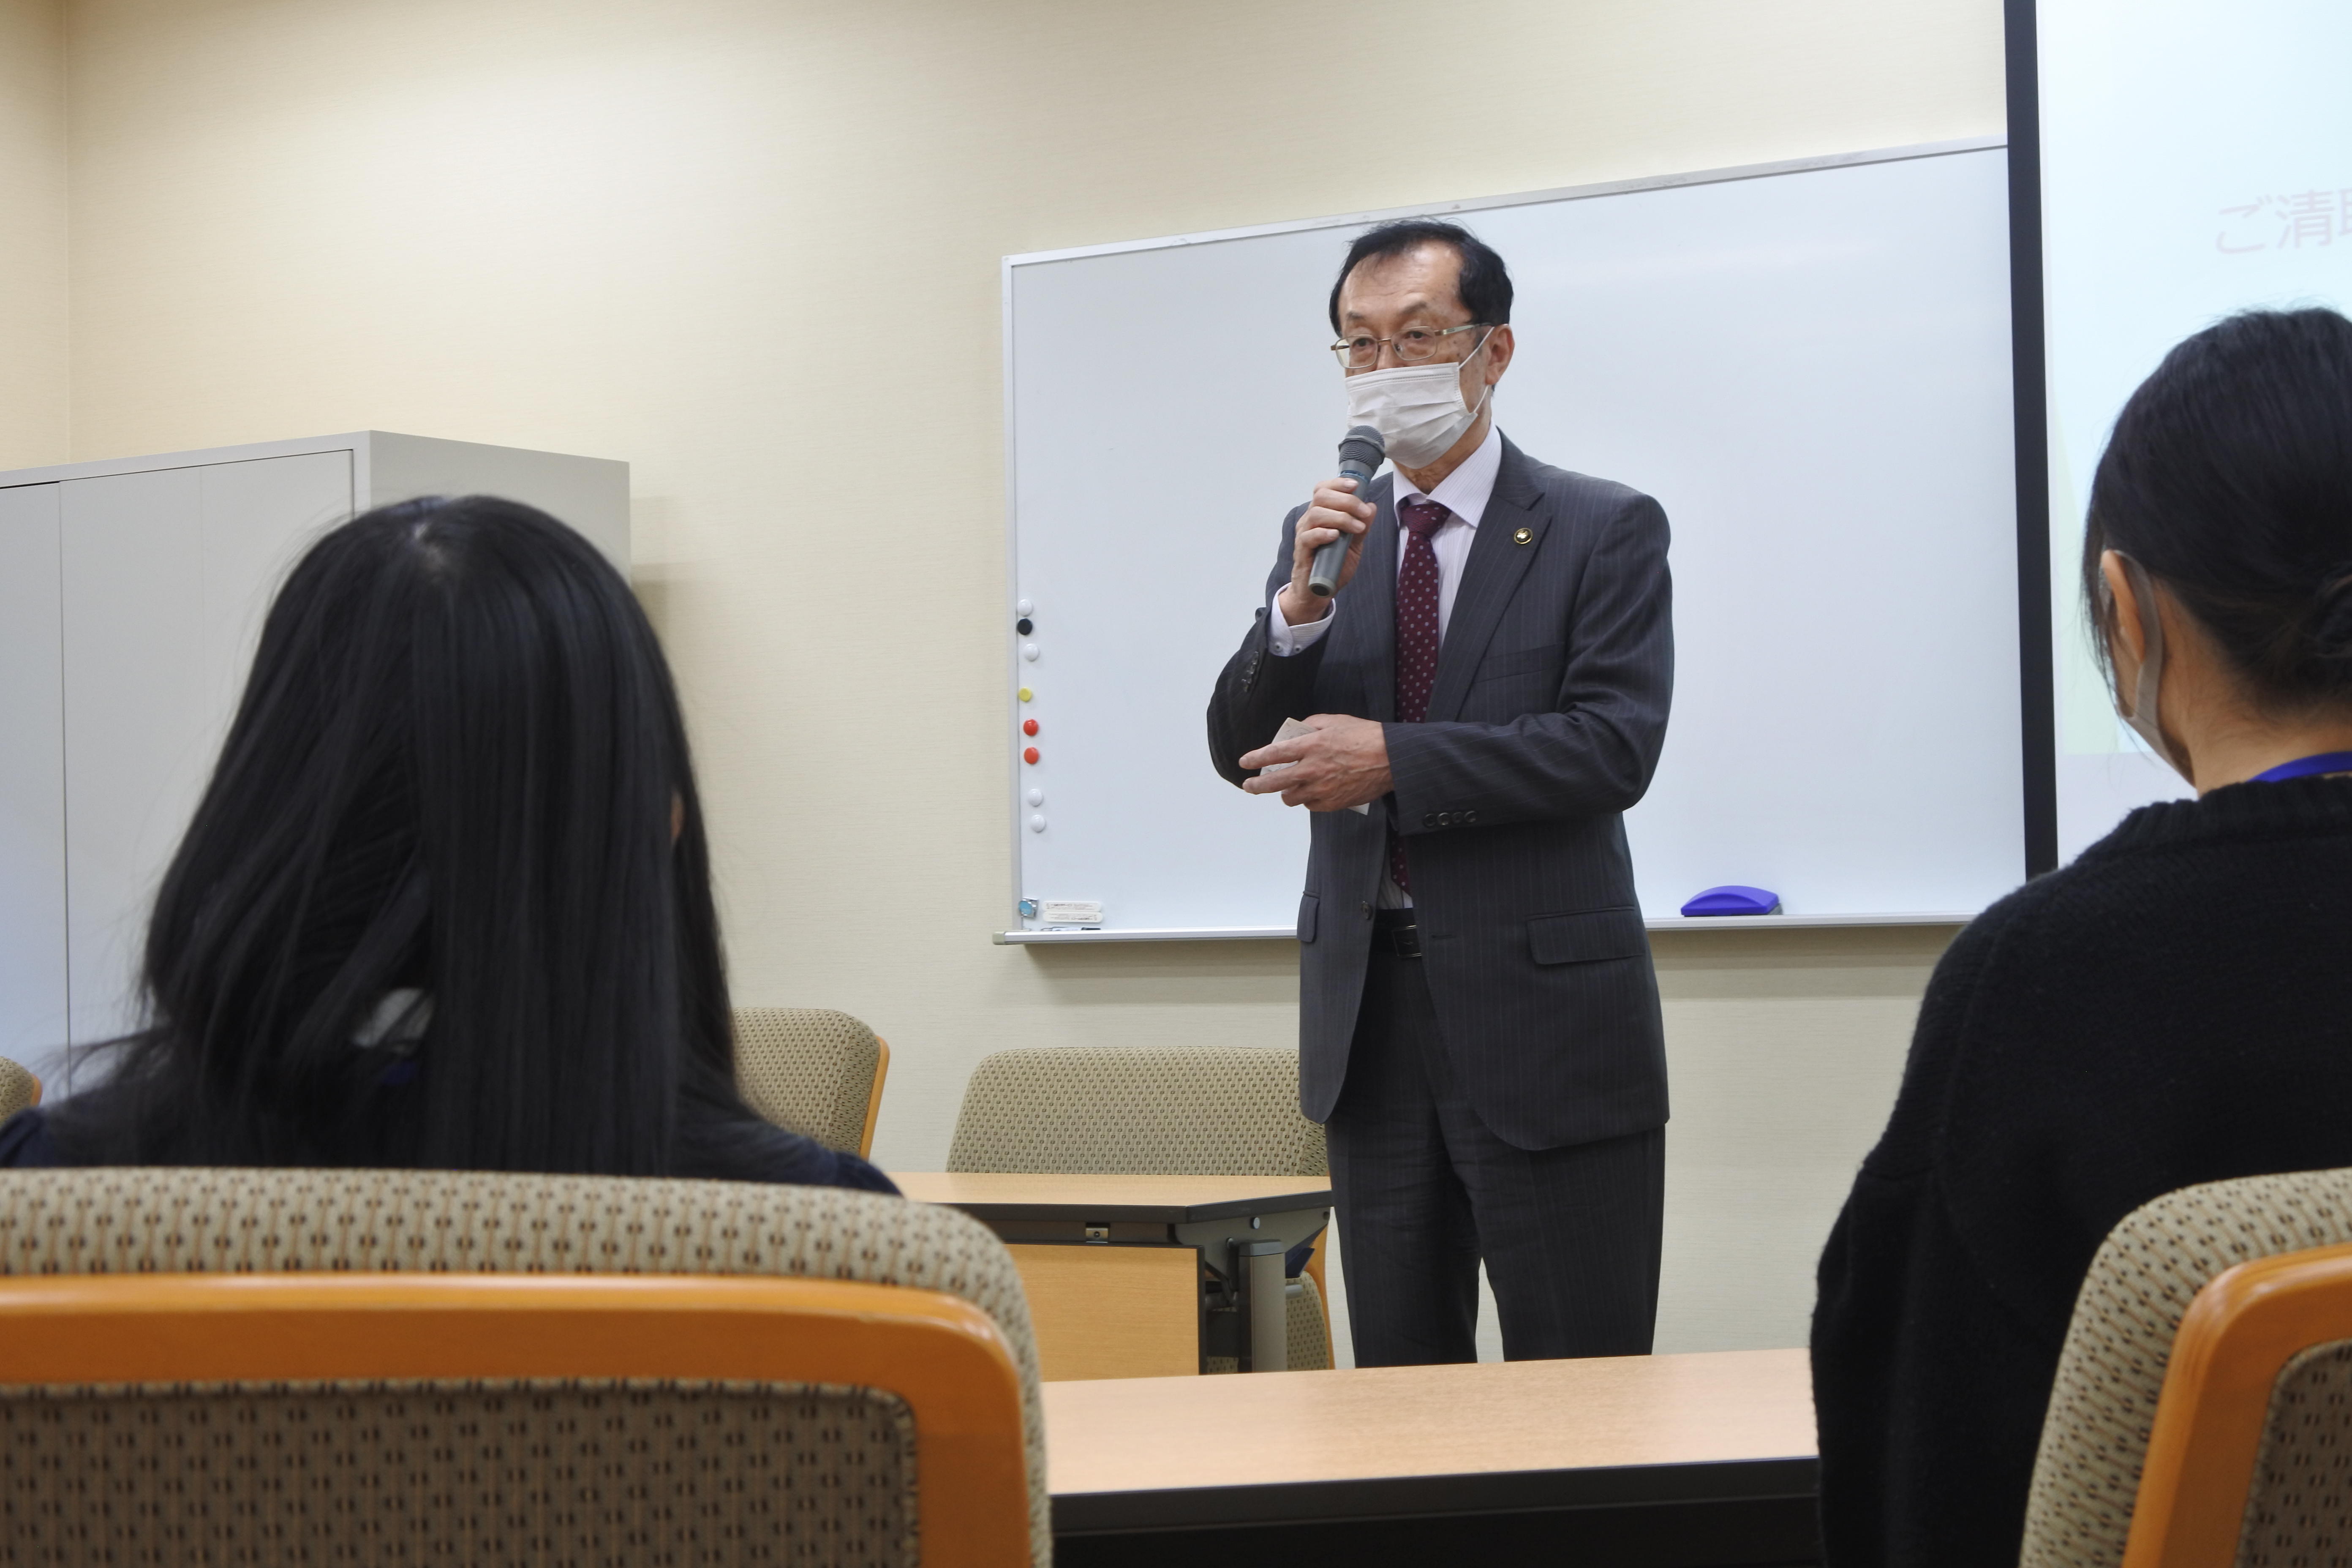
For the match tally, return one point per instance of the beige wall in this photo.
(751, 248)
(33, 295)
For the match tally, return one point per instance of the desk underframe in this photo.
(1232, 1273)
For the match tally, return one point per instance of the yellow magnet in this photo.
(1024, 694)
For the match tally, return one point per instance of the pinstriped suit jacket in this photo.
(1544, 726)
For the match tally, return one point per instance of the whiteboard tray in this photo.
(1666, 922)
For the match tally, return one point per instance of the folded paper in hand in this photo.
(1293, 727)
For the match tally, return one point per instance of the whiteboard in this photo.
(1807, 365)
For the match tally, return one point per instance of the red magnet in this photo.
(1029, 726)
(1030, 755)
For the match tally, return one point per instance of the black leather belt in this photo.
(1395, 935)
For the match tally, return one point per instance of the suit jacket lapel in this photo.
(1373, 607)
(1497, 561)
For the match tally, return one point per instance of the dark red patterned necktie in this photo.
(1416, 635)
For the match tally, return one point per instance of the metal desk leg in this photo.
(1257, 1266)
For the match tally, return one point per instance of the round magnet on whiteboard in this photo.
(1029, 651)
(1028, 726)
(1037, 825)
(1028, 907)
(1024, 608)
(1036, 798)
(1030, 755)
(1025, 625)
(1026, 694)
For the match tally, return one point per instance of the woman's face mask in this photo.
(2140, 712)
(1417, 408)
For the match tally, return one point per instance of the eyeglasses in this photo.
(1418, 346)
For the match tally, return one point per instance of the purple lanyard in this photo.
(2303, 767)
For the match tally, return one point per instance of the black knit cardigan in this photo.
(2173, 1008)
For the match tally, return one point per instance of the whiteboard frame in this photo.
(2028, 359)
(1349, 220)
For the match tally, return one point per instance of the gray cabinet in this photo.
(131, 595)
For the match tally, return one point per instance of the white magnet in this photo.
(1037, 825)
(1036, 798)
(1029, 651)
(1025, 607)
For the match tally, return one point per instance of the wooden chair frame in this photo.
(2242, 1329)
(1314, 1270)
(941, 1354)
(874, 1099)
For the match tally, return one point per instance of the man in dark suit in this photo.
(1478, 1016)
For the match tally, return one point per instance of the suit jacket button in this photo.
(1367, 908)
(1429, 821)
(1469, 819)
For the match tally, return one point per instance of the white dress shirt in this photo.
(1465, 492)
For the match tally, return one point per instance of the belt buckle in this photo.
(1405, 941)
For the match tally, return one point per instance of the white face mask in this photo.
(2140, 713)
(1417, 408)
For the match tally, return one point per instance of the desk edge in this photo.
(986, 1209)
(1403, 1497)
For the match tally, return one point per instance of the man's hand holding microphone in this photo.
(1329, 541)
(1341, 760)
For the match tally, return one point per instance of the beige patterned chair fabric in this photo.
(809, 1070)
(2299, 1509)
(1309, 1336)
(18, 1089)
(2103, 1405)
(840, 1455)
(1187, 1110)
(1184, 1110)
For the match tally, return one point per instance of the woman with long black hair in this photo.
(445, 902)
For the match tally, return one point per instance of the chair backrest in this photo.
(2245, 1464)
(466, 1418)
(812, 1070)
(2111, 1373)
(167, 1221)
(1192, 1110)
(18, 1089)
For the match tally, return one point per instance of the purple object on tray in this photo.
(1734, 901)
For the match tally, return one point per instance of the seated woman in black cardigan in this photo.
(445, 901)
(2173, 1008)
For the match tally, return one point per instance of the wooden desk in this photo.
(1681, 1459)
(1143, 1275)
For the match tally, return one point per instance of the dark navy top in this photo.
(24, 1141)
(26, 1144)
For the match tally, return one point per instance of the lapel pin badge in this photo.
(1524, 536)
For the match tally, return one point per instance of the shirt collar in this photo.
(1465, 491)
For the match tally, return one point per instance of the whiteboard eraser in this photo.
(1735, 900)
(1069, 913)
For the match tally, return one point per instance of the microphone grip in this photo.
(1323, 576)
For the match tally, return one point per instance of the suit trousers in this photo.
(1424, 1191)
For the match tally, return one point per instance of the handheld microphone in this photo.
(1359, 455)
